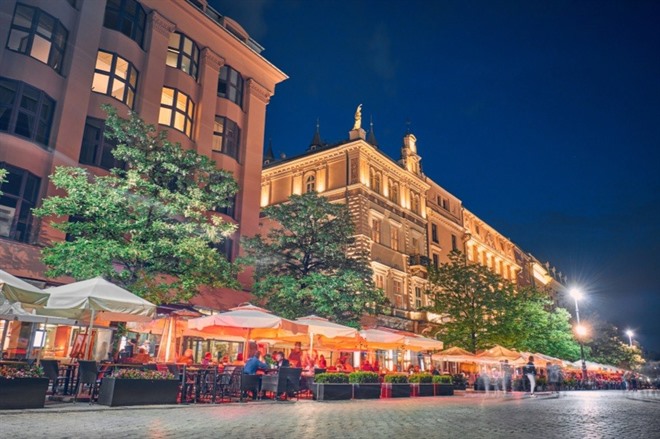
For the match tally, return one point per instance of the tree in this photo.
(478, 304)
(607, 347)
(146, 227)
(309, 264)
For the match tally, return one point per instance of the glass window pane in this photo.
(121, 68)
(7, 93)
(40, 49)
(133, 80)
(24, 124)
(100, 83)
(104, 61)
(185, 65)
(46, 25)
(179, 121)
(174, 40)
(187, 46)
(172, 58)
(181, 102)
(55, 60)
(167, 97)
(23, 16)
(165, 116)
(129, 98)
(30, 99)
(118, 89)
(18, 40)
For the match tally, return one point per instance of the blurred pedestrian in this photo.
(529, 370)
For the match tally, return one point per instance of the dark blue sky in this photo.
(542, 117)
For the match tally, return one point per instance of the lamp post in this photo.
(630, 334)
(576, 294)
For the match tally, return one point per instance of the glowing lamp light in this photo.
(575, 293)
(581, 330)
(629, 333)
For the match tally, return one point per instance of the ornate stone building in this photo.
(178, 63)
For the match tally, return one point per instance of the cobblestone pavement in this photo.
(605, 414)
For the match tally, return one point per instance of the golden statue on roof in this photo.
(358, 118)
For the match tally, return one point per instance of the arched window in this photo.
(378, 185)
(310, 183)
(394, 192)
(414, 202)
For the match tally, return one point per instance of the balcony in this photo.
(418, 265)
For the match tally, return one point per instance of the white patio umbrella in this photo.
(248, 322)
(379, 339)
(330, 334)
(89, 299)
(16, 290)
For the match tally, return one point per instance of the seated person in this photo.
(187, 357)
(141, 357)
(239, 360)
(366, 366)
(323, 364)
(253, 364)
(208, 359)
(280, 361)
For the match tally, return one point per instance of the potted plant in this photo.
(421, 384)
(22, 387)
(397, 385)
(443, 385)
(138, 387)
(460, 383)
(366, 385)
(331, 387)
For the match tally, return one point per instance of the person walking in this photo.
(530, 372)
(553, 376)
(507, 373)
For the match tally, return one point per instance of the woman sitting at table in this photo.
(187, 357)
(141, 357)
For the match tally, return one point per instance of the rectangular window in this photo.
(226, 137)
(127, 17)
(177, 110)
(436, 260)
(415, 245)
(230, 85)
(379, 281)
(183, 54)
(96, 150)
(394, 237)
(25, 111)
(20, 193)
(396, 286)
(454, 242)
(434, 233)
(115, 76)
(38, 35)
(375, 230)
(230, 208)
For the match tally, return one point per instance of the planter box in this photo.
(396, 390)
(23, 393)
(332, 392)
(366, 391)
(460, 386)
(116, 392)
(422, 389)
(444, 389)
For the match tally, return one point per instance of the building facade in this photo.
(178, 63)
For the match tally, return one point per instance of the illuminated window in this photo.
(310, 183)
(25, 111)
(434, 233)
(393, 192)
(414, 202)
(127, 17)
(115, 76)
(394, 238)
(379, 281)
(377, 183)
(375, 230)
(20, 193)
(38, 35)
(183, 54)
(226, 137)
(418, 297)
(230, 85)
(375, 180)
(96, 149)
(176, 110)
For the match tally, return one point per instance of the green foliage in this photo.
(148, 227)
(395, 378)
(363, 378)
(308, 263)
(442, 379)
(607, 347)
(10, 372)
(331, 378)
(137, 374)
(3, 177)
(421, 378)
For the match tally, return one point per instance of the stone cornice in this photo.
(259, 91)
(212, 59)
(161, 24)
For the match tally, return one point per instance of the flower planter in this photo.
(391, 390)
(444, 389)
(332, 392)
(23, 393)
(366, 391)
(422, 389)
(117, 391)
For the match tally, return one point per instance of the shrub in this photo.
(331, 378)
(363, 378)
(136, 374)
(421, 378)
(442, 379)
(395, 378)
(21, 372)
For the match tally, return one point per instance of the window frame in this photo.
(181, 54)
(310, 183)
(21, 203)
(229, 210)
(188, 115)
(58, 33)
(138, 20)
(41, 127)
(376, 230)
(434, 233)
(239, 87)
(113, 76)
(102, 146)
(226, 141)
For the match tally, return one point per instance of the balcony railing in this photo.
(419, 260)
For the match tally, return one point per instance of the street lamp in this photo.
(630, 334)
(576, 294)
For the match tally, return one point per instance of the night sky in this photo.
(542, 117)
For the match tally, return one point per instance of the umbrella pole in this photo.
(4, 335)
(88, 349)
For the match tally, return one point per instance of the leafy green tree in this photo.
(3, 177)
(478, 304)
(607, 347)
(146, 227)
(308, 262)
